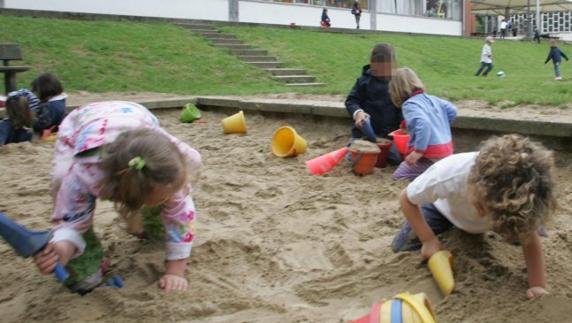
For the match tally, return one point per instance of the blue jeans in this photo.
(489, 67)
(406, 239)
(557, 69)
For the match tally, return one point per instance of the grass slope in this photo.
(104, 56)
(101, 56)
(445, 64)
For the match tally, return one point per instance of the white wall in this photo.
(180, 9)
(419, 25)
(302, 15)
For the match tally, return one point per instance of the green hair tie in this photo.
(137, 163)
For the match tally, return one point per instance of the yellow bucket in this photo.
(402, 308)
(287, 143)
(235, 123)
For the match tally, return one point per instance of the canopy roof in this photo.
(498, 7)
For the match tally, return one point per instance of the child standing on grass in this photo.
(16, 127)
(117, 151)
(428, 119)
(555, 54)
(51, 110)
(369, 98)
(486, 57)
(507, 187)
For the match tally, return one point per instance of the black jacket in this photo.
(555, 55)
(371, 94)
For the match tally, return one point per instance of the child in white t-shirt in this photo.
(507, 187)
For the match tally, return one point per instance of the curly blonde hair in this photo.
(128, 186)
(512, 181)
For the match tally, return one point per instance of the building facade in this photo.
(440, 17)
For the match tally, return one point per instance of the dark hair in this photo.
(18, 112)
(128, 186)
(382, 53)
(47, 86)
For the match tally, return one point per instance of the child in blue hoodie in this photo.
(555, 55)
(428, 119)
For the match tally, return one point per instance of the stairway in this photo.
(293, 77)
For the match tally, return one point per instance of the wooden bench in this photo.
(10, 52)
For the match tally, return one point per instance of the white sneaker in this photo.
(558, 78)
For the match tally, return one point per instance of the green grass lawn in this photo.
(101, 56)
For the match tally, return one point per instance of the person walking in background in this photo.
(356, 11)
(325, 22)
(536, 35)
(555, 54)
(486, 57)
(503, 29)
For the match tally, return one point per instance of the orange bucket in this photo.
(364, 157)
(384, 147)
(401, 140)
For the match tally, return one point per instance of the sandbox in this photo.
(275, 244)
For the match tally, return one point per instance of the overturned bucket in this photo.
(364, 156)
(190, 113)
(235, 123)
(286, 142)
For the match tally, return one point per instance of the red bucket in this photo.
(401, 140)
(384, 147)
(364, 157)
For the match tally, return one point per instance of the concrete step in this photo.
(248, 58)
(305, 84)
(218, 36)
(295, 78)
(198, 26)
(227, 41)
(203, 31)
(253, 52)
(231, 46)
(266, 64)
(286, 71)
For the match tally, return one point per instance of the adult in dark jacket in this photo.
(369, 97)
(555, 55)
(356, 11)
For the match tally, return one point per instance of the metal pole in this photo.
(538, 22)
(529, 18)
(372, 7)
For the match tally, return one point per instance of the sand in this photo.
(275, 244)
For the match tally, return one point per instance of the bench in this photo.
(10, 52)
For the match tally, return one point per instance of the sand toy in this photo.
(236, 123)
(384, 148)
(325, 163)
(286, 142)
(27, 243)
(403, 308)
(401, 140)
(364, 156)
(441, 266)
(190, 113)
(368, 131)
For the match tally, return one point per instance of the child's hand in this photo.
(170, 282)
(60, 251)
(535, 292)
(360, 118)
(430, 247)
(413, 157)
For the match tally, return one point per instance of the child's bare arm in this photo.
(534, 257)
(422, 230)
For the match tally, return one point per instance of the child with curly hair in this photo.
(507, 187)
(117, 151)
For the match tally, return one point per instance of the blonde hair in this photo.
(552, 43)
(19, 112)
(403, 83)
(512, 181)
(160, 165)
